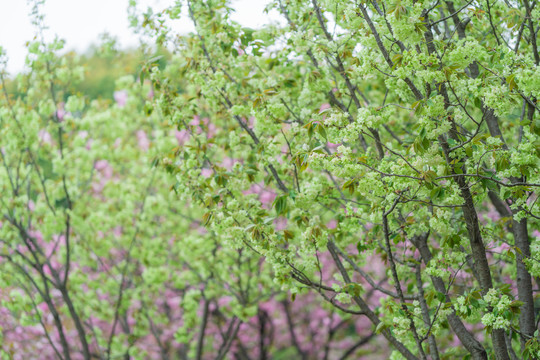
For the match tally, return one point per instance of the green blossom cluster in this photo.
(403, 132)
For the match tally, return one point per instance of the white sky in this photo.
(80, 22)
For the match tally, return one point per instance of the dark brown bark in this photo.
(481, 265)
(524, 281)
(467, 339)
(366, 309)
(519, 230)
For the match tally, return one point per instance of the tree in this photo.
(412, 126)
(99, 259)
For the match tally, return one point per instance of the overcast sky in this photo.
(80, 22)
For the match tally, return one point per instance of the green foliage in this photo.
(358, 148)
(406, 125)
(91, 235)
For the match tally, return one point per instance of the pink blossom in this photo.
(228, 163)
(36, 235)
(44, 137)
(205, 172)
(121, 97)
(117, 231)
(105, 172)
(270, 307)
(280, 223)
(363, 325)
(332, 224)
(202, 230)
(57, 239)
(173, 301)
(196, 121)
(324, 107)
(498, 249)
(182, 136)
(104, 168)
(97, 187)
(492, 214)
(224, 301)
(251, 122)
(212, 130)
(142, 139)
(60, 112)
(267, 197)
(101, 164)
(332, 145)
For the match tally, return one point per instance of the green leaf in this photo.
(476, 295)
(353, 289)
(478, 102)
(288, 235)
(510, 80)
(141, 76)
(62, 203)
(505, 193)
(155, 59)
(289, 83)
(430, 176)
(257, 102)
(381, 327)
(350, 185)
(280, 204)
(321, 130)
(361, 247)
(440, 296)
(502, 163)
(206, 218)
(310, 128)
(429, 296)
(46, 167)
